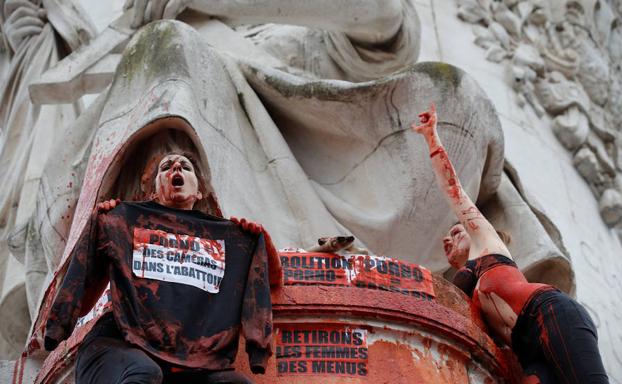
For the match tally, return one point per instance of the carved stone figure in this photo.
(36, 39)
(301, 185)
(298, 126)
(388, 41)
(568, 52)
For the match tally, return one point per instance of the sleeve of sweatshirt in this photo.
(257, 310)
(83, 284)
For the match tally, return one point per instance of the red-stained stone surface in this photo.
(409, 340)
(106, 148)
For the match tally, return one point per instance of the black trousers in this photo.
(555, 340)
(105, 357)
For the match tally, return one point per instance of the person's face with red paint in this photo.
(176, 183)
(457, 244)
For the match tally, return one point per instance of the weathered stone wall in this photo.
(546, 168)
(562, 134)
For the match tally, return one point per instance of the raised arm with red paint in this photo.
(524, 315)
(484, 239)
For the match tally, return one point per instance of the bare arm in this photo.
(367, 21)
(484, 237)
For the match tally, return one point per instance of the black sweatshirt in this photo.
(183, 284)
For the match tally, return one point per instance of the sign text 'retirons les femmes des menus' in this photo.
(321, 349)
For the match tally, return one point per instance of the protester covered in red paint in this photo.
(184, 285)
(552, 335)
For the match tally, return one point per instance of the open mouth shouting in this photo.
(178, 180)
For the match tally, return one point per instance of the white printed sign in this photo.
(178, 258)
(103, 304)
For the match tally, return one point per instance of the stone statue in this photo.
(36, 37)
(302, 127)
(562, 61)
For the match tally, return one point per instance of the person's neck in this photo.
(185, 205)
(476, 253)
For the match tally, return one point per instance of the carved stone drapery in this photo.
(564, 59)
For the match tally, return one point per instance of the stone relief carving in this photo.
(563, 59)
(291, 69)
(35, 36)
(257, 143)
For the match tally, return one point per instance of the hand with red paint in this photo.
(108, 205)
(428, 122)
(274, 263)
(247, 225)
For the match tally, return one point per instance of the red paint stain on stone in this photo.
(395, 363)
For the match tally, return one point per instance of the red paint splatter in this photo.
(472, 226)
(427, 343)
(510, 285)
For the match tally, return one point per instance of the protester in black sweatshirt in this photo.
(183, 285)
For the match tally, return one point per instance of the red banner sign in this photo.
(332, 350)
(375, 272)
